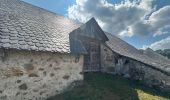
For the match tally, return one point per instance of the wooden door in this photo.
(92, 59)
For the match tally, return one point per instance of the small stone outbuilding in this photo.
(118, 57)
(42, 54)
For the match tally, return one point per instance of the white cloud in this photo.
(160, 21)
(126, 18)
(162, 44)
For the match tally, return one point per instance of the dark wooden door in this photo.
(92, 59)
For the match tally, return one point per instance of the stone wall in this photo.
(129, 68)
(37, 75)
(135, 70)
(107, 59)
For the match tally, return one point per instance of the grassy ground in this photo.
(108, 87)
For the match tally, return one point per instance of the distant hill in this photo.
(165, 52)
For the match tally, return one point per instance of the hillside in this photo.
(165, 52)
(99, 86)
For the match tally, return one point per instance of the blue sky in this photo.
(57, 6)
(142, 23)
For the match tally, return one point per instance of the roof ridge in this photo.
(48, 11)
(121, 40)
(126, 50)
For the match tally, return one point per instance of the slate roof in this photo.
(121, 47)
(91, 29)
(156, 56)
(27, 27)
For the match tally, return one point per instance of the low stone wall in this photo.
(37, 75)
(129, 68)
(151, 77)
(138, 71)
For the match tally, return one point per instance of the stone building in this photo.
(147, 66)
(42, 53)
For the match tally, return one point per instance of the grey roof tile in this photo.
(5, 40)
(5, 30)
(32, 28)
(7, 45)
(121, 47)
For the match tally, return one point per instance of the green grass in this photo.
(99, 86)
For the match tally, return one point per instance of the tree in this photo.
(165, 52)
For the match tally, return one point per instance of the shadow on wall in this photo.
(76, 47)
(99, 86)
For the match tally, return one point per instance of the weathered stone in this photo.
(52, 74)
(56, 68)
(31, 60)
(33, 75)
(41, 69)
(66, 77)
(3, 97)
(50, 65)
(44, 86)
(18, 93)
(25, 93)
(23, 87)
(81, 73)
(18, 81)
(29, 67)
(13, 72)
(35, 90)
(44, 73)
(42, 92)
(1, 91)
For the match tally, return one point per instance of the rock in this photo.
(33, 75)
(66, 77)
(1, 91)
(3, 97)
(18, 81)
(29, 67)
(41, 69)
(52, 74)
(23, 86)
(44, 73)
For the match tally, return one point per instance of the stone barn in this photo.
(37, 57)
(43, 54)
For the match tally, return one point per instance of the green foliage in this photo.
(165, 52)
(99, 86)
